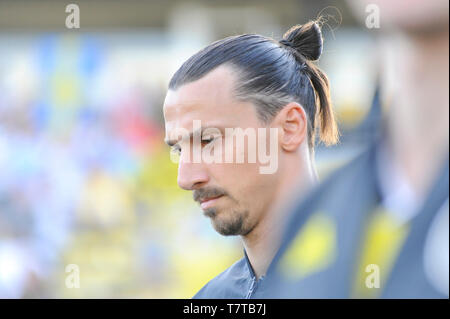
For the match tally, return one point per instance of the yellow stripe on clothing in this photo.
(384, 238)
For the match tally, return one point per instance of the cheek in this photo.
(234, 177)
(237, 168)
(243, 180)
(251, 189)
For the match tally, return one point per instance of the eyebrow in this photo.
(174, 142)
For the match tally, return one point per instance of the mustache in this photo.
(203, 193)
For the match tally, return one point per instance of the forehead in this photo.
(209, 99)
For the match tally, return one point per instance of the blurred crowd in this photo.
(85, 178)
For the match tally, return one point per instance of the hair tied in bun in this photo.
(306, 39)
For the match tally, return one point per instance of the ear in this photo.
(293, 125)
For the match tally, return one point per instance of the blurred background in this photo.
(85, 177)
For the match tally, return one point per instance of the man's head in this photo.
(248, 82)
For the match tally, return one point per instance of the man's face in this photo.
(234, 195)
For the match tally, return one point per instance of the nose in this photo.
(191, 175)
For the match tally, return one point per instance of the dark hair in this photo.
(271, 74)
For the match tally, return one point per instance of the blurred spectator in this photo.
(378, 227)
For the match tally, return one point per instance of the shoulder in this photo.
(230, 283)
(336, 186)
(357, 168)
(335, 201)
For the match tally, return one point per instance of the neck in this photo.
(418, 114)
(262, 243)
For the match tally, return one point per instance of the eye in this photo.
(175, 149)
(207, 140)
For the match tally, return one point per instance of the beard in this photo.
(231, 224)
(229, 221)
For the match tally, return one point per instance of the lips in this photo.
(208, 202)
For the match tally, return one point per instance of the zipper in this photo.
(252, 288)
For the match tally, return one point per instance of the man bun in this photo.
(306, 39)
